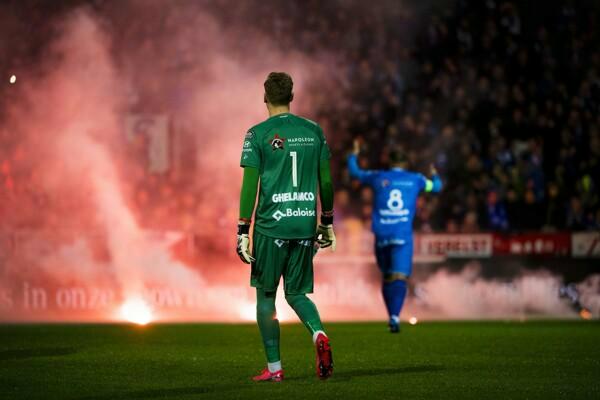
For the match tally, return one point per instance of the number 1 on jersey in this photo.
(294, 168)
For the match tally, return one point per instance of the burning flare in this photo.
(136, 311)
(585, 313)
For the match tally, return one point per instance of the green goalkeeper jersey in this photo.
(287, 150)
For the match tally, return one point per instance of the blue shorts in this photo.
(395, 258)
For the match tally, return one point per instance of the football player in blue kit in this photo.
(395, 192)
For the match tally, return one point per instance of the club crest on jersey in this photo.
(277, 142)
(385, 183)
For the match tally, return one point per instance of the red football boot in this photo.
(266, 376)
(324, 357)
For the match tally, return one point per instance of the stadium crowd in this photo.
(503, 97)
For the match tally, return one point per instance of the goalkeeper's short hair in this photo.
(278, 88)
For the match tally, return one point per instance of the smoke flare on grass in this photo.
(465, 295)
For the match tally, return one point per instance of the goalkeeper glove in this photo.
(325, 235)
(243, 243)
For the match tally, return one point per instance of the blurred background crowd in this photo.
(503, 97)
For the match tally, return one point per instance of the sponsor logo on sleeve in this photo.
(247, 147)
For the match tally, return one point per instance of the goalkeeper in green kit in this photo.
(285, 158)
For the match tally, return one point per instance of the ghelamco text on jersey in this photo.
(292, 196)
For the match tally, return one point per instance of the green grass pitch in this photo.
(450, 360)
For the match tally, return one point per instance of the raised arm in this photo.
(433, 185)
(364, 176)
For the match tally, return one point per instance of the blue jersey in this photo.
(395, 193)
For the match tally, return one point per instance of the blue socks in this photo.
(393, 294)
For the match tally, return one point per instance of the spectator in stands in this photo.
(496, 212)
(575, 215)
(555, 209)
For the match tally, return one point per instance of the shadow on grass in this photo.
(360, 373)
(199, 390)
(19, 354)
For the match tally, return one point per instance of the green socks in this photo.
(306, 310)
(268, 323)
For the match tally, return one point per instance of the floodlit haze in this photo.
(95, 256)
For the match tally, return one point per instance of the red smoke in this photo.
(88, 239)
(85, 226)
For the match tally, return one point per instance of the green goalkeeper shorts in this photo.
(292, 259)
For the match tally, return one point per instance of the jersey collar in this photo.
(280, 115)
